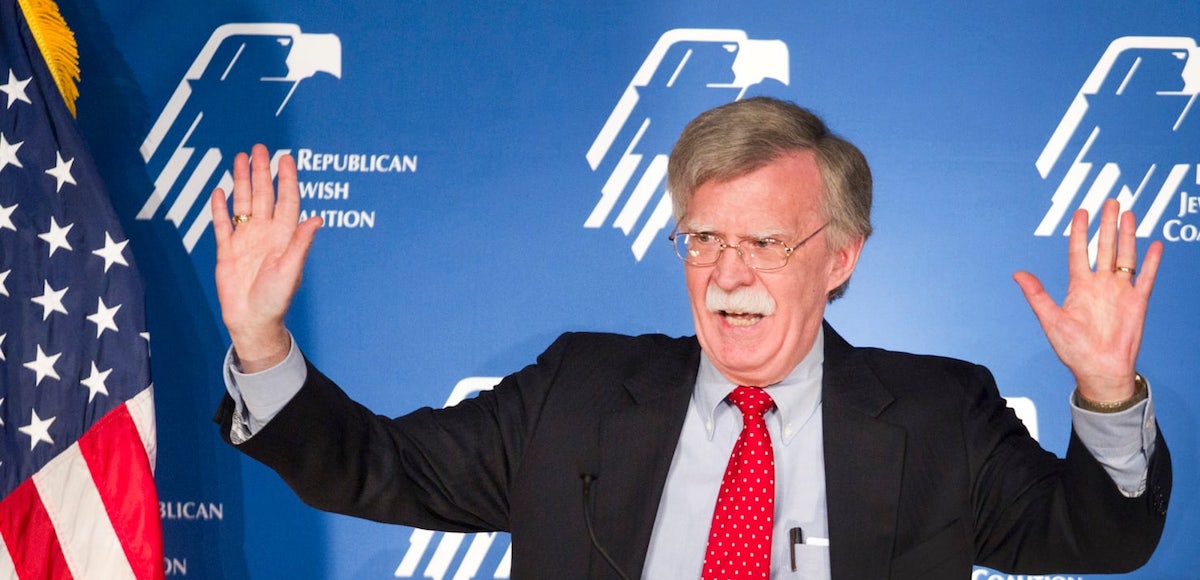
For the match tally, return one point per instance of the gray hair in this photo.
(740, 137)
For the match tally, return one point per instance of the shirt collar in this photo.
(796, 397)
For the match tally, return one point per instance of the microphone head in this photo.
(588, 463)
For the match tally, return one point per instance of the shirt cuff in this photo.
(258, 397)
(1122, 442)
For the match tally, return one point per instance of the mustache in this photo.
(741, 301)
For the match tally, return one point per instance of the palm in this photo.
(259, 262)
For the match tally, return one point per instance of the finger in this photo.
(241, 185)
(288, 206)
(1127, 242)
(302, 240)
(263, 206)
(1078, 264)
(1044, 307)
(1149, 270)
(222, 227)
(1106, 250)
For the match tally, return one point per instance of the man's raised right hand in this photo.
(261, 251)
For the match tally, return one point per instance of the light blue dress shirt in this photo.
(710, 430)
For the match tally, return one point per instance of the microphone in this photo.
(587, 474)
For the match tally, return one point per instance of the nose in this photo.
(730, 271)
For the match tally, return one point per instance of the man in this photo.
(613, 456)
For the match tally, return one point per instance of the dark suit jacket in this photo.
(927, 470)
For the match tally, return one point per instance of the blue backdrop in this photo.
(489, 174)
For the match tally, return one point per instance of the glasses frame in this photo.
(788, 250)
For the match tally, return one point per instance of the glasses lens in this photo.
(764, 254)
(698, 249)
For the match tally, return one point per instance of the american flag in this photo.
(76, 410)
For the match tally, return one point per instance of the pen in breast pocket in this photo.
(796, 538)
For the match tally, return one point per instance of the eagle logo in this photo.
(689, 71)
(1131, 133)
(234, 92)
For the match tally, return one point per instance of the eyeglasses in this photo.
(762, 254)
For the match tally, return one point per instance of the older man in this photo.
(765, 446)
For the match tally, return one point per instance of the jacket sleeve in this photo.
(446, 469)
(1036, 513)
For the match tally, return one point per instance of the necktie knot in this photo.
(751, 401)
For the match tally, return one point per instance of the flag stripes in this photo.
(84, 514)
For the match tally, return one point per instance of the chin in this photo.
(752, 368)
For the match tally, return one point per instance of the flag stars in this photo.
(104, 317)
(62, 171)
(3, 277)
(43, 366)
(8, 153)
(38, 430)
(57, 235)
(15, 89)
(51, 300)
(2, 358)
(95, 382)
(6, 222)
(112, 252)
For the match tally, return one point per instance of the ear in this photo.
(844, 261)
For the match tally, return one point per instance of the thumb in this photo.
(1042, 304)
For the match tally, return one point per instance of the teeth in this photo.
(741, 319)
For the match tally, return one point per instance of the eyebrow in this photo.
(773, 234)
(759, 235)
(692, 227)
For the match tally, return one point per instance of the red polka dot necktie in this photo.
(739, 543)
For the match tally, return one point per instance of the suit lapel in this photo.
(636, 444)
(863, 463)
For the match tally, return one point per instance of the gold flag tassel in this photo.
(57, 45)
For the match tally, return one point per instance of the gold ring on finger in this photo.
(241, 218)
(1130, 271)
